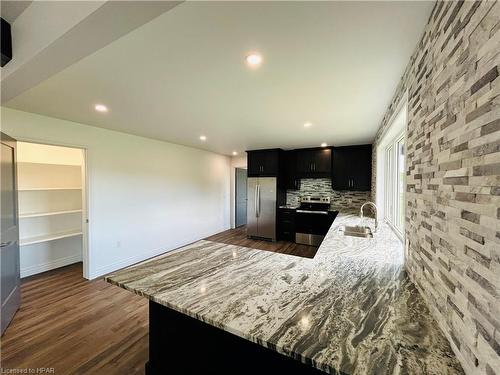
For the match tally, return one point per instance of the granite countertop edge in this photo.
(272, 346)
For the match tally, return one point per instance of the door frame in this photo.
(236, 194)
(86, 214)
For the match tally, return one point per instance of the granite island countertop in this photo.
(351, 309)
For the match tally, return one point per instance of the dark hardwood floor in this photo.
(238, 237)
(78, 326)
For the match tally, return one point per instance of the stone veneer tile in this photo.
(453, 176)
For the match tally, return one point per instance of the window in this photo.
(394, 176)
(390, 182)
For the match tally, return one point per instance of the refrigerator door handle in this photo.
(257, 201)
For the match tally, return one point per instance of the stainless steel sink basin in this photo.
(358, 231)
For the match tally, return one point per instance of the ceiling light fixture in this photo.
(307, 124)
(101, 108)
(235, 153)
(253, 60)
(324, 144)
(203, 138)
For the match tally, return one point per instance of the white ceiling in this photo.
(335, 64)
(10, 10)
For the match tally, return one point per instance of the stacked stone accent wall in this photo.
(453, 176)
(345, 201)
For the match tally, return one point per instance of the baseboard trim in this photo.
(104, 270)
(47, 266)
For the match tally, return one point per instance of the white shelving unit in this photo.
(49, 237)
(51, 188)
(50, 184)
(39, 214)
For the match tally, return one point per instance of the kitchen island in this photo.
(349, 310)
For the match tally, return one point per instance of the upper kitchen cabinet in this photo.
(352, 168)
(264, 163)
(292, 181)
(313, 162)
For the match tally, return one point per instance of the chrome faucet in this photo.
(375, 208)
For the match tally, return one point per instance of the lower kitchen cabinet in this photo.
(286, 224)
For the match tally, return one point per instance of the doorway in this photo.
(9, 248)
(240, 197)
(52, 207)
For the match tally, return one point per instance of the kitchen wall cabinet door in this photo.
(351, 168)
(291, 179)
(254, 163)
(340, 168)
(323, 161)
(263, 163)
(313, 163)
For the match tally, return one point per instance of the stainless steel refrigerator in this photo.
(261, 207)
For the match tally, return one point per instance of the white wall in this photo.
(145, 196)
(239, 161)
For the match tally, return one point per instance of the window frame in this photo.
(394, 197)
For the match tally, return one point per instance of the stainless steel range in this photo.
(320, 204)
(313, 219)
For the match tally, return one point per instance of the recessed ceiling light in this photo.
(203, 138)
(307, 124)
(254, 60)
(101, 108)
(235, 153)
(324, 144)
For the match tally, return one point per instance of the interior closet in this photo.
(51, 194)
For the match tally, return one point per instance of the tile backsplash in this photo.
(345, 201)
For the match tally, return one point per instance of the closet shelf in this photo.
(49, 237)
(49, 164)
(40, 214)
(50, 188)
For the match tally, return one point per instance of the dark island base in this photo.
(179, 344)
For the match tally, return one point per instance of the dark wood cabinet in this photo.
(286, 224)
(264, 163)
(313, 163)
(352, 168)
(291, 180)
